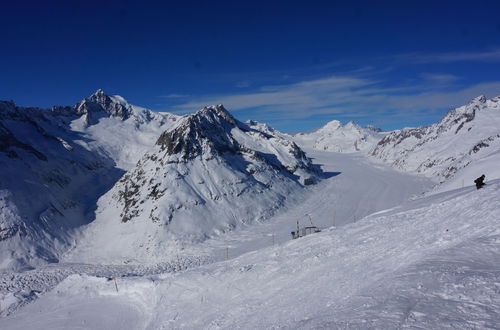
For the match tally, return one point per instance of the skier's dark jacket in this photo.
(479, 181)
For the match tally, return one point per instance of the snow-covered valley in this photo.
(196, 232)
(431, 262)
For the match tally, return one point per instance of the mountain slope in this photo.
(117, 129)
(56, 163)
(431, 263)
(341, 138)
(465, 135)
(41, 195)
(208, 174)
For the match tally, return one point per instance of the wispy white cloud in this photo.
(483, 56)
(440, 79)
(305, 94)
(349, 96)
(174, 96)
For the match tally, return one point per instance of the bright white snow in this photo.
(431, 263)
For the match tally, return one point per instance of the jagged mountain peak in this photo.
(352, 124)
(334, 136)
(102, 103)
(104, 99)
(98, 93)
(373, 128)
(206, 131)
(478, 99)
(216, 113)
(207, 174)
(466, 133)
(333, 124)
(265, 128)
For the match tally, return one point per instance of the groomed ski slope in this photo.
(429, 263)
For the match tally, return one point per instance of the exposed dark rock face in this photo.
(98, 104)
(209, 138)
(423, 149)
(9, 143)
(49, 185)
(208, 129)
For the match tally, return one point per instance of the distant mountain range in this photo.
(465, 135)
(179, 177)
(341, 138)
(206, 175)
(114, 181)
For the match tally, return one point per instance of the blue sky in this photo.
(292, 64)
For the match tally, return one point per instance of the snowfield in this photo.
(430, 263)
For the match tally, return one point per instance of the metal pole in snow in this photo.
(227, 253)
(116, 285)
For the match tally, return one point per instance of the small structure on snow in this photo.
(301, 232)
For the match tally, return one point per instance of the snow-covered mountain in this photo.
(208, 174)
(386, 263)
(341, 138)
(265, 128)
(55, 164)
(118, 129)
(465, 136)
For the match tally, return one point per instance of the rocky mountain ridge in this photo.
(208, 174)
(56, 163)
(464, 135)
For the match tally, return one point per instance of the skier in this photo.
(480, 182)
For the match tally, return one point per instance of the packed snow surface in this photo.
(429, 263)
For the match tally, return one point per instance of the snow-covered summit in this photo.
(334, 136)
(54, 169)
(110, 122)
(206, 131)
(48, 184)
(99, 104)
(207, 174)
(214, 131)
(465, 134)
